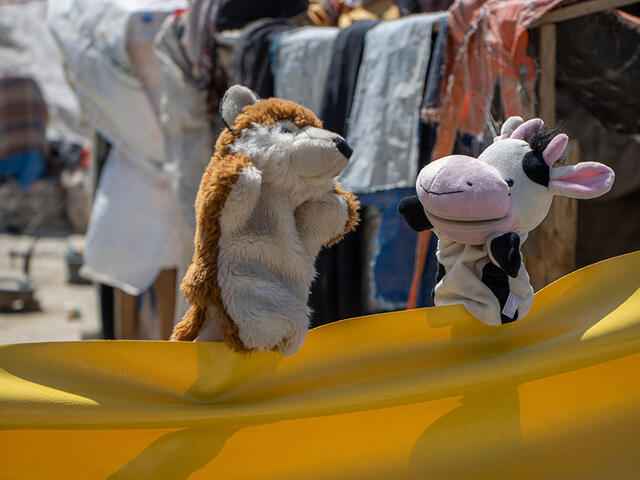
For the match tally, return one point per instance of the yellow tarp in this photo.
(428, 393)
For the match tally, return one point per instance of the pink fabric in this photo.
(487, 43)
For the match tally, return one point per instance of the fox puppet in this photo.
(267, 203)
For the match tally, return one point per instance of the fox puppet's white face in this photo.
(303, 160)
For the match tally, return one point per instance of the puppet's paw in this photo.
(322, 219)
(293, 342)
(265, 332)
(506, 251)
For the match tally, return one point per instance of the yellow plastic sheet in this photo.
(428, 393)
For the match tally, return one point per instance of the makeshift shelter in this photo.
(407, 394)
(403, 91)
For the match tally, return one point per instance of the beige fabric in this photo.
(462, 285)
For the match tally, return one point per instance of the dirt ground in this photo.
(57, 297)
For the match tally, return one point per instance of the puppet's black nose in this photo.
(343, 146)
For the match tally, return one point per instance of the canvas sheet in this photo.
(96, 38)
(302, 60)
(384, 123)
(428, 393)
(123, 248)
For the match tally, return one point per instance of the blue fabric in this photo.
(26, 167)
(394, 259)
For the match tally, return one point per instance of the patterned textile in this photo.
(23, 116)
(302, 60)
(486, 44)
(385, 116)
(199, 42)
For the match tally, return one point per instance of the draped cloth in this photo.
(302, 61)
(384, 122)
(428, 393)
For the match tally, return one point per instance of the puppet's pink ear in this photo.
(527, 128)
(509, 126)
(555, 149)
(584, 180)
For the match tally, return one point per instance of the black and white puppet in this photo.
(482, 210)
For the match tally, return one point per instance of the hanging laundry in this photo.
(28, 47)
(252, 55)
(435, 79)
(487, 43)
(94, 36)
(189, 136)
(408, 7)
(385, 116)
(234, 14)
(199, 40)
(465, 144)
(388, 273)
(186, 127)
(23, 120)
(302, 59)
(342, 76)
(337, 292)
(132, 233)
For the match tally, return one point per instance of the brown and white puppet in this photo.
(482, 210)
(267, 203)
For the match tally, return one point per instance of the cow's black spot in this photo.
(533, 162)
(439, 276)
(498, 282)
(535, 168)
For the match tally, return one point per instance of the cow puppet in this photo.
(482, 210)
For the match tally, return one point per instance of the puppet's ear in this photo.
(509, 126)
(527, 128)
(555, 148)
(584, 180)
(234, 100)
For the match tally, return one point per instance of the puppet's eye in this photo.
(286, 130)
(509, 181)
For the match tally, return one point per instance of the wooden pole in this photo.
(579, 9)
(547, 81)
(550, 251)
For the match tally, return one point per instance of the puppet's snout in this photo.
(463, 188)
(319, 154)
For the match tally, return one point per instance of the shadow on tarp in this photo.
(489, 412)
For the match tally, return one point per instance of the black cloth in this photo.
(337, 290)
(598, 62)
(234, 14)
(437, 64)
(407, 7)
(252, 56)
(343, 75)
(106, 296)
